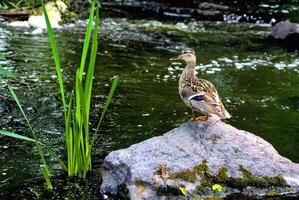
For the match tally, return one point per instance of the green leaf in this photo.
(56, 58)
(183, 191)
(90, 72)
(217, 187)
(37, 143)
(47, 175)
(6, 72)
(13, 5)
(107, 103)
(86, 41)
(17, 136)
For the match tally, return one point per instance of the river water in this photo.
(257, 81)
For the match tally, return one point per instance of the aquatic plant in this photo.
(77, 113)
(78, 140)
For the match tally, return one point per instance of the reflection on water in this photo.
(258, 83)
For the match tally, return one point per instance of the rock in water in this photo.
(54, 10)
(210, 159)
(286, 34)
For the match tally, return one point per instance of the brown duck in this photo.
(199, 94)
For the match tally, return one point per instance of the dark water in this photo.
(258, 82)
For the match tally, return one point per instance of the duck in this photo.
(197, 93)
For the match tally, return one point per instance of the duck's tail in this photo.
(222, 112)
(226, 115)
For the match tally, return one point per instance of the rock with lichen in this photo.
(201, 159)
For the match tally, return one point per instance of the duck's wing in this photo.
(205, 96)
(209, 90)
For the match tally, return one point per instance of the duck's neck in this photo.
(189, 69)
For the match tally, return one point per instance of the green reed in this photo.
(76, 115)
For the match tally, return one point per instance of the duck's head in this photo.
(187, 55)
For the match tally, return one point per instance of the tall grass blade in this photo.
(17, 136)
(28, 139)
(37, 143)
(57, 66)
(56, 57)
(80, 109)
(86, 40)
(6, 72)
(88, 88)
(107, 103)
(46, 175)
(69, 135)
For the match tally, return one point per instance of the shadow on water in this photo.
(257, 82)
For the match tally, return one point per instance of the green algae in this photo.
(222, 174)
(140, 183)
(187, 175)
(207, 179)
(190, 175)
(202, 174)
(202, 168)
(248, 179)
(142, 186)
(246, 173)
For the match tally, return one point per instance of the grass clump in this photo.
(78, 138)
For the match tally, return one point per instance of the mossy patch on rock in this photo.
(222, 174)
(248, 179)
(246, 173)
(141, 185)
(191, 175)
(202, 173)
(202, 168)
(187, 175)
(165, 182)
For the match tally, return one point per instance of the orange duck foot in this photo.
(202, 118)
(193, 115)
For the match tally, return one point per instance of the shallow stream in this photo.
(258, 82)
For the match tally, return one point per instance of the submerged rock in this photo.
(210, 159)
(286, 34)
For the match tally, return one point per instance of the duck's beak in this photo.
(176, 58)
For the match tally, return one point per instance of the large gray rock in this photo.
(196, 156)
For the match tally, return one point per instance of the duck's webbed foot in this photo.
(193, 115)
(202, 118)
